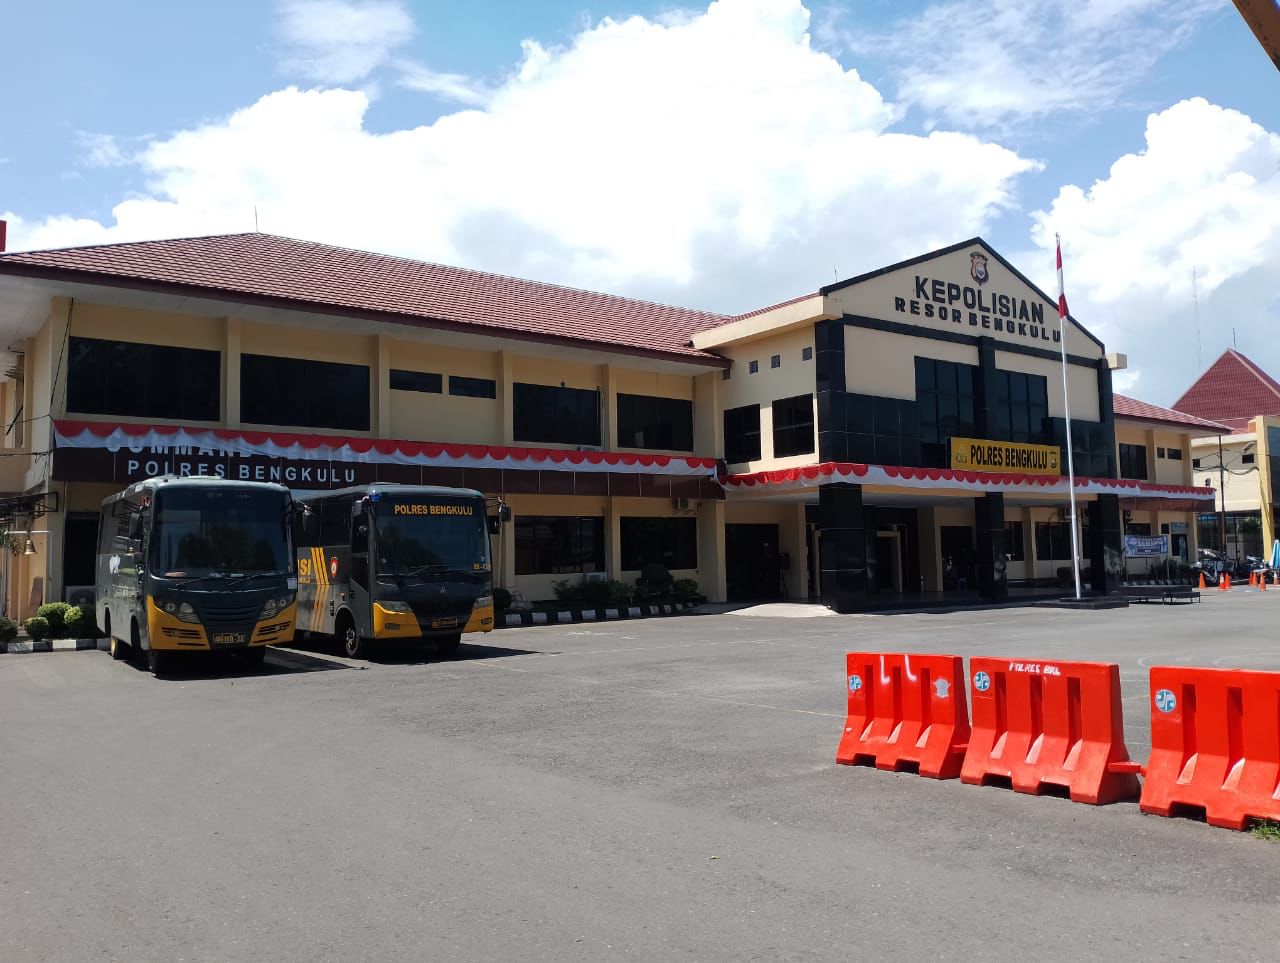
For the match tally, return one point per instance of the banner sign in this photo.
(1146, 546)
(981, 454)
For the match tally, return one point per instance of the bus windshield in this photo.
(414, 542)
(220, 531)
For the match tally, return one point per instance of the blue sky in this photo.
(716, 155)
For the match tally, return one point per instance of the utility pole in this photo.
(1222, 499)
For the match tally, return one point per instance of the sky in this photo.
(723, 155)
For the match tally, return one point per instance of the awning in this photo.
(180, 440)
(948, 479)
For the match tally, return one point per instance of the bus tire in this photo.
(135, 646)
(155, 663)
(354, 646)
(448, 644)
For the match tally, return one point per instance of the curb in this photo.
(569, 616)
(54, 645)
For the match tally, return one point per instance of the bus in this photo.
(196, 564)
(390, 561)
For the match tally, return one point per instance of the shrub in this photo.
(568, 592)
(60, 616)
(8, 630)
(85, 623)
(685, 589)
(501, 600)
(37, 627)
(620, 593)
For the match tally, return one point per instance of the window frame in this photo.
(795, 435)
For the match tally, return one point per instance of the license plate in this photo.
(229, 638)
(444, 623)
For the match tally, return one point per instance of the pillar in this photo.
(843, 544)
(712, 574)
(1106, 544)
(231, 374)
(612, 539)
(988, 513)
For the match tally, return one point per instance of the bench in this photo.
(1166, 594)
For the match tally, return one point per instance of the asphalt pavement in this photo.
(656, 789)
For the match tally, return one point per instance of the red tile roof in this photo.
(283, 272)
(1232, 388)
(1126, 407)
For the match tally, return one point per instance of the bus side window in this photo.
(335, 522)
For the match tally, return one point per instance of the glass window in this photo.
(1013, 543)
(295, 392)
(222, 530)
(143, 380)
(648, 541)
(1173, 454)
(775, 361)
(1248, 458)
(753, 367)
(657, 423)
(1133, 461)
(945, 402)
(806, 354)
(464, 387)
(566, 416)
(793, 426)
(742, 434)
(1053, 541)
(416, 381)
(558, 545)
(422, 546)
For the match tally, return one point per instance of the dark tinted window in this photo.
(1133, 461)
(416, 381)
(1053, 541)
(143, 380)
(742, 433)
(566, 416)
(648, 541)
(472, 387)
(307, 394)
(660, 423)
(945, 402)
(1020, 407)
(793, 426)
(558, 545)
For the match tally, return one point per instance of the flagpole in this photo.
(1066, 399)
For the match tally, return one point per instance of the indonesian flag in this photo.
(1062, 296)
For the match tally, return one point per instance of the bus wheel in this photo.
(448, 644)
(135, 647)
(353, 646)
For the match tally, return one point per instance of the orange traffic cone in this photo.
(1202, 585)
(1252, 583)
(1262, 583)
(1228, 574)
(1222, 581)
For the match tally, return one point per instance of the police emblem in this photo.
(978, 267)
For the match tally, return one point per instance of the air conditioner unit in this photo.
(680, 504)
(595, 577)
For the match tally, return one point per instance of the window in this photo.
(945, 401)
(143, 380)
(1195, 463)
(1013, 544)
(416, 381)
(806, 354)
(775, 361)
(1173, 454)
(1053, 541)
(793, 426)
(753, 367)
(1159, 452)
(464, 387)
(1020, 407)
(558, 545)
(1133, 461)
(657, 423)
(724, 374)
(742, 434)
(647, 541)
(309, 394)
(1248, 458)
(566, 416)
(1137, 528)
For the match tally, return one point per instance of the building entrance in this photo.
(753, 565)
(79, 558)
(958, 573)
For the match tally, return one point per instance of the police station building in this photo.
(899, 433)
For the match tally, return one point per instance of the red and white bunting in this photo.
(174, 439)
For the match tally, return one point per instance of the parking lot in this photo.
(649, 789)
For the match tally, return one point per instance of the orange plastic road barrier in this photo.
(906, 712)
(1041, 724)
(1215, 744)
(1202, 585)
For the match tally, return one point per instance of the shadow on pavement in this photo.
(401, 652)
(194, 666)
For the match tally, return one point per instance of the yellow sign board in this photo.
(982, 454)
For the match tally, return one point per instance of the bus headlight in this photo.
(483, 602)
(273, 607)
(400, 608)
(181, 610)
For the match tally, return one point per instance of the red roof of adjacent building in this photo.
(1233, 390)
(1126, 407)
(303, 275)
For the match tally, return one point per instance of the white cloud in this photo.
(101, 150)
(1203, 197)
(994, 63)
(458, 88)
(711, 159)
(341, 41)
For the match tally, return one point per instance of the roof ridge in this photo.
(1257, 370)
(113, 244)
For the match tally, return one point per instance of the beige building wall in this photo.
(883, 364)
(794, 376)
(1241, 482)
